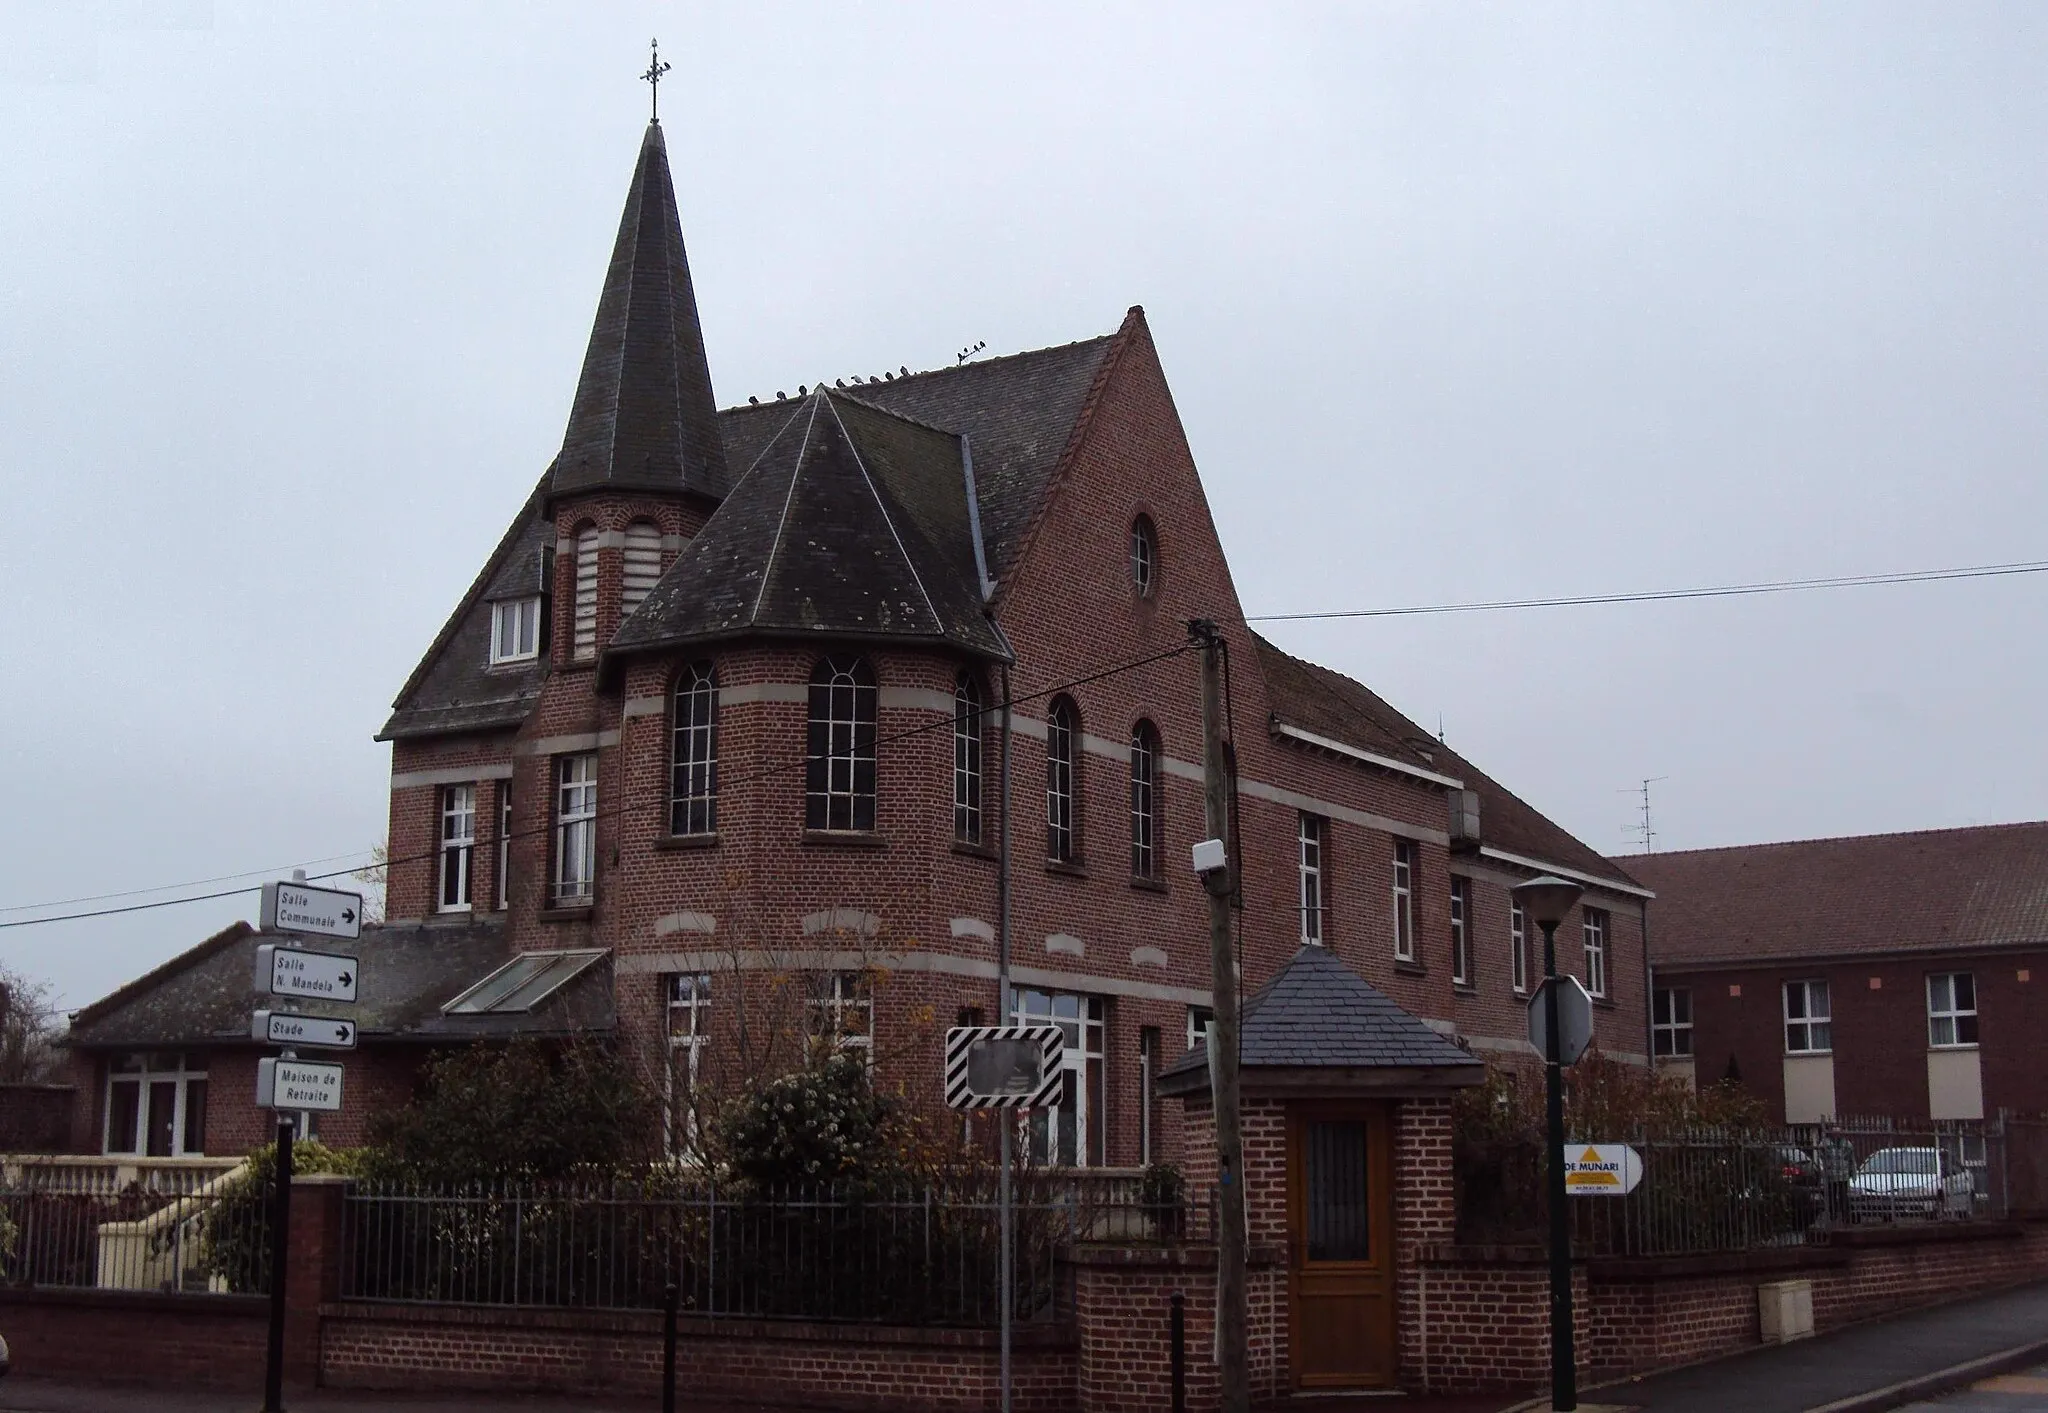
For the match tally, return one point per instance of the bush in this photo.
(236, 1228)
(820, 1125)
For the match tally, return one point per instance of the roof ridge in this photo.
(781, 521)
(942, 372)
(910, 562)
(846, 395)
(2017, 824)
(191, 956)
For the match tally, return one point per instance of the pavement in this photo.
(1986, 1355)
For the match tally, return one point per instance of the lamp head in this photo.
(1547, 900)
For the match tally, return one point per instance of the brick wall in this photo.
(167, 1341)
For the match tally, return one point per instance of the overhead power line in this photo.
(1717, 591)
(944, 723)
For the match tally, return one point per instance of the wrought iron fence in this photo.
(1724, 1190)
(162, 1229)
(917, 1256)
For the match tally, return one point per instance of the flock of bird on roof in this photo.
(903, 370)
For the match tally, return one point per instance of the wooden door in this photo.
(1340, 1224)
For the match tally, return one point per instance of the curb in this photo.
(1878, 1400)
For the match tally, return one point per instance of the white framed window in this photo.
(583, 635)
(504, 844)
(1074, 1132)
(1808, 1021)
(1461, 932)
(1148, 1072)
(1309, 863)
(155, 1106)
(1144, 556)
(639, 564)
(1518, 948)
(1404, 900)
(842, 1013)
(839, 772)
(968, 717)
(1144, 801)
(1671, 1021)
(575, 829)
(689, 1027)
(1595, 932)
(1198, 1024)
(1062, 765)
(458, 847)
(693, 751)
(515, 630)
(1951, 1009)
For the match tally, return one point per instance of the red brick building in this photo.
(710, 755)
(1895, 975)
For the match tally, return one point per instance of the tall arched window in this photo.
(640, 564)
(967, 739)
(1144, 801)
(1144, 556)
(839, 783)
(1062, 781)
(693, 756)
(583, 641)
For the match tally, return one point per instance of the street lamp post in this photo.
(1546, 901)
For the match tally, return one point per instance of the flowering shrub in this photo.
(821, 1124)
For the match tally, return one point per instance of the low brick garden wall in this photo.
(211, 1341)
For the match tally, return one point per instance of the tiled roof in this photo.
(1935, 890)
(1330, 704)
(643, 415)
(203, 995)
(1317, 1013)
(852, 522)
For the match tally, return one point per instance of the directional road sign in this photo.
(1003, 1066)
(298, 1084)
(1574, 1019)
(317, 912)
(293, 971)
(1601, 1169)
(291, 1028)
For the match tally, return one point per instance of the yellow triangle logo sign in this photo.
(1591, 1155)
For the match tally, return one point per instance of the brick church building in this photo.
(710, 757)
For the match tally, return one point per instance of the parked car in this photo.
(1910, 1182)
(1800, 1171)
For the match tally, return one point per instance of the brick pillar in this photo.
(1123, 1308)
(1425, 1216)
(1263, 1121)
(312, 1271)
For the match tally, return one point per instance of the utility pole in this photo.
(1232, 1354)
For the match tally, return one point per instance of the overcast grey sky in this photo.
(1458, 301)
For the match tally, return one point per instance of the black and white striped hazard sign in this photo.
(1003, 1066)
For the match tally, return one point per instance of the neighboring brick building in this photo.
(1896, 975)
(714, 741)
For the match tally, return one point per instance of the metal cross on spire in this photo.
(655, 69)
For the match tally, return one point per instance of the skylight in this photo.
(522, 983)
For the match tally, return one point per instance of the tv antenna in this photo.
(1643, 830)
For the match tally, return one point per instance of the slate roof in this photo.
(455, 687)
(1328, 703)
(850, 522)
(1935, 890)
(1317, 1013)
(644, 417)
(204, 996)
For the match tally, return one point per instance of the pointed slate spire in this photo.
(644, 417)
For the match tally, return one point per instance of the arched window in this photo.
(1062, 781)
(967, 739)
(1144, 556)
(1144, 801)
(641, 564)
(583, 641)
(839, 783)
(693, 756)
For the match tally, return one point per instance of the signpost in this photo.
(291, 1028)
(1574, 1019)
(286, 1084)
(292, 971)
(312, 912)
(1601, 1169)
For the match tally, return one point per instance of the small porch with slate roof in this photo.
(1345, 1107)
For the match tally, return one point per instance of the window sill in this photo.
(454, 910)
(570, 912)
(1465, 988)
(1066, 868)
(1809, 1054)
(973, 851)
(1148, 885)
(1410, 968)
(665, 842)
(844, 839)
(1605, 1003)
(1951, 1049)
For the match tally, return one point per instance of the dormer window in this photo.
(1144, 556)
(515, 630)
